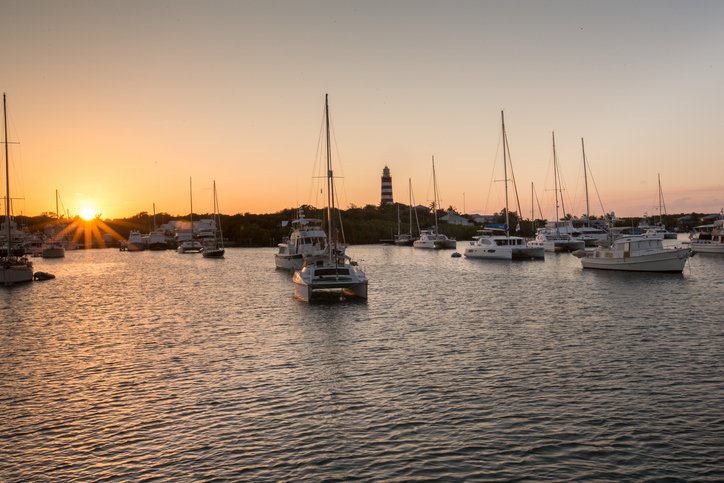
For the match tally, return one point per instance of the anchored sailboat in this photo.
(214, 248)
(13, 269)
(491, 243)
(333, 270)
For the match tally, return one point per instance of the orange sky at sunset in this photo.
(117, 104)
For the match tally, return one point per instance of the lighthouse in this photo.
(386, 186)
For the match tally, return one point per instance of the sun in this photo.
(87, 214)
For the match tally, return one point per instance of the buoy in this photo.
(43, 276)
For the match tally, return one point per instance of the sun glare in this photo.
(87, 214)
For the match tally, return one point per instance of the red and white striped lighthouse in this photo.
(386, 186)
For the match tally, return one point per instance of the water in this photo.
(165, 367)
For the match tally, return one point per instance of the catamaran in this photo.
(332, 270)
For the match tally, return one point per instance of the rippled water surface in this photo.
(165, 367)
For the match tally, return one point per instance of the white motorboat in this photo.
(636, 254)
(708, 238)
(213, 246)
(432, 238)
(190, 246)
(135, 242)
(496, 244)
(13, 269)
(332, 270)
(660, 232)
(307, 238)
(157, 240)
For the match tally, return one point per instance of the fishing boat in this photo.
(333, 270)
(497, 243)
(214, 247)
(635, 254)
(13, 268)
(432, 238)
(708, 238)
(190, 245)
(307, 238)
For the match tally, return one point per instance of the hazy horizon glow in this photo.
(117, 104)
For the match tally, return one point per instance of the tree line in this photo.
(361, 225)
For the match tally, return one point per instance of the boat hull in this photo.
(306, 284)
(289, 262)
(670, 261)
(707, 247)
(16, 274)
(53, 252)
(213, 253)
(445, 244)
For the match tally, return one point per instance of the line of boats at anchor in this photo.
(209, 241)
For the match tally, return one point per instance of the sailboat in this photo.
(332, 270)
(215, 248)
(554, 237)
(432, 238)
(190, 245)
(157, 238)
(498, 244)
(13, 268)
(54, 249)
(658, 230)
(406, 239)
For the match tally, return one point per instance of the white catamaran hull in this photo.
(305, 284)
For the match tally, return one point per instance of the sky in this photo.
(117, 105)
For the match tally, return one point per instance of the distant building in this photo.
(386, 186)
(483, 219)
(453, 219)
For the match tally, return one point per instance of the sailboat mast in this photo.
(434, 195)
(191, 216)
(409, 193)
(330, 183)
(505, 175)
(555, 177)
(661, 218)
(217, 215)
(585, 178)
(57, 215)
(532, 209)
(7, 181)
(154, 217)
